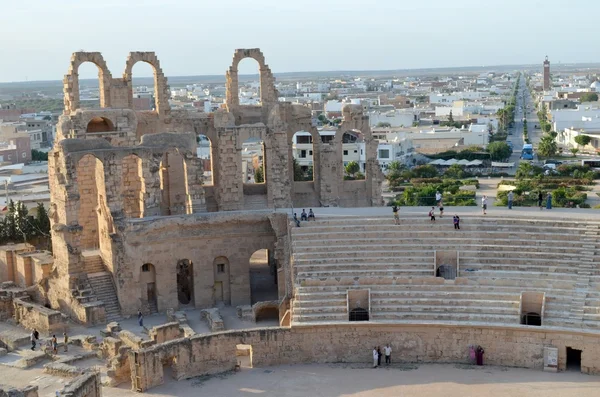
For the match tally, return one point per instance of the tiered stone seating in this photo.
(498, 260)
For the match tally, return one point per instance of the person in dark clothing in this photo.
(303, 215)
(296, 220)
(379, 356)
(456, 221)
(540, 200)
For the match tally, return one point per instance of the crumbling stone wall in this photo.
(28, 391)
(31, 315)
(86, 385)
(505, 346)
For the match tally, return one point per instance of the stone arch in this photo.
(133, 186)
(268, 92)
(222, 286)
(161, 87)
(71, 80)
(100, 124)
(263, 276)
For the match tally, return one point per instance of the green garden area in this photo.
(569, 186)
(418, 186)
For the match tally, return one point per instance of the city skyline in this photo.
(306, 37)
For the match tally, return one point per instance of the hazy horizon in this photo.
(193, 38)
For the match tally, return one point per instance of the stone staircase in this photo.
(499, 258)
(92, 261)
(104, 290)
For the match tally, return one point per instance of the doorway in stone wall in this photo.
(185, 282)
(573, 359)
(263, 277)
(243, 355)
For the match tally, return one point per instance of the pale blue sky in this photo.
(197, 37)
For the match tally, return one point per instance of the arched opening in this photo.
(143, 87)
(148, 293)
(358, 314)
(133, 188)
(204, 152)
(173, 184)
(263, 277)
(302, 146)
(353, 154)
(531, 319)
(100, 124)
(185, 282)
(90, 183)
(249, 82)
(221, 288)
(90, 78)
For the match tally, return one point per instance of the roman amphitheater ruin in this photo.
(136, 228)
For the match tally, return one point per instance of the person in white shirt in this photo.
(388, 354)
(375, 357)
(438, 197)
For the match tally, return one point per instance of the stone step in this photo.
(365, 273)
(457, 317)
(374, 259)
(376, 310)
(520, 267)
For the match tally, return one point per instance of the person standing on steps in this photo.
(441, 209)
(510, 198)
(484, 204)
(396, 216)
(540, 199)
(33, 339)
(456, 221)
(66, 340)
(549, 201)
(54, 344)
(140, 318)
(432, 214)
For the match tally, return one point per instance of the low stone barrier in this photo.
(31, 315)
(27, 391)
(165, 332)
(213, 319)
(86, 385)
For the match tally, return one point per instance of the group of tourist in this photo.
(540, 200)
(52, 344)
(304, 216)
(387, 351)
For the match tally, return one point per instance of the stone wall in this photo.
(86, 385)
(200, 239)
(28, 391)
(31, 315)
(504, 346)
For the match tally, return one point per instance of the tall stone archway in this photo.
(185, 282)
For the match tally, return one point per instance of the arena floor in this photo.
(406, 380)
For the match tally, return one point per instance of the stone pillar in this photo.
(113, 173)
(279, 182)
(151, 177)
(194, 190)
(330, 173)
(230, 186)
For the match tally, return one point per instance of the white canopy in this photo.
(502, 165)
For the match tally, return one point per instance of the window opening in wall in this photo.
(204, 152)
(253, 159)
(531, 319)
(249, 80)
(89, 75)
(359, 314)
(145, 268)
(302, 145)
(345, 152)
(573, 359)
(221, 268)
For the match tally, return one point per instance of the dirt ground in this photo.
(406, 380)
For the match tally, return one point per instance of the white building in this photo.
(396, 118)
(585, 116)
(442, 99)
(567, 138)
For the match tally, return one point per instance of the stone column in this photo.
(151, 178)
(194, 190)
(230, 186)
(279, 182)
